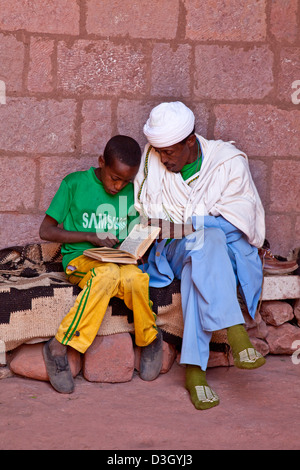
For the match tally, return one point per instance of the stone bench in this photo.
(32, 308)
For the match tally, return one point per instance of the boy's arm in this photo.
(50, 231)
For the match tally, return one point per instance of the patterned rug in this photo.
(35, 295)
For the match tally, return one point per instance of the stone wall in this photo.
(75, 72)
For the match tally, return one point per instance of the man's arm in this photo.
(170, 229)
(50, 231)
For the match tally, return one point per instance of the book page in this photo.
(139, 239)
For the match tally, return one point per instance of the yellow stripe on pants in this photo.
(100, 282)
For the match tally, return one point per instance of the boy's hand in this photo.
(106, 239)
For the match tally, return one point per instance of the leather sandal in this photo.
(58, 370)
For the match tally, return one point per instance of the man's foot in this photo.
(58, 368)
(202, 396)
(244, 354)
(274, 264)
(151, 358)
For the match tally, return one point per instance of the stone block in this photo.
(259, 130)
(96, 127)
(17, 181)
(101, 68)
(280, 233)
(220, 359)
(53, 16)
(275, 312)
(281, 287)
(281, 339)
(12, 61)
(259, 331)
(171, 70)
(233, 72)
(283, 20)
(289, 73)
(44, 126)
(216, 20)
(285, 185)
(19, 229)
(28, 361)
(109, 359)
(142, 19)
(260, 345)
(40, 68)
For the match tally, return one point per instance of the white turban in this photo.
(168, 124)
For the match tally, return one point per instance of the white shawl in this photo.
(223, 186)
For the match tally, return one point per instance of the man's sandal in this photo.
(249, 358)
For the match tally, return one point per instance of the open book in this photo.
(130, 250)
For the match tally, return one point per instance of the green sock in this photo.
(244, 354)
(202, 396)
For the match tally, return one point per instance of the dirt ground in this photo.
(258, 409)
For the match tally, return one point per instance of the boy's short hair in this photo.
(124, 149)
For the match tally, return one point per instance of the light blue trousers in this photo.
(210, 268)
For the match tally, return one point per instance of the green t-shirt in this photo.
(81, 204)
(191, 168)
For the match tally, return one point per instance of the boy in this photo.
(96, 208)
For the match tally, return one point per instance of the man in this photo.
(205, 191)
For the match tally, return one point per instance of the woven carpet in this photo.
(35, 295)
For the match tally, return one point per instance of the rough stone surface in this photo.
(226, 21)
(12, 54)
(122, 68)
(281, 339)
(281, 287)
(285, 186)
(45, 126)
(275, 129)
(171, 70)
(96, 127)
(276, 313)
(284, 20)
(233, 73)
(143, 20)
(109, 359)
(40, 68)
(28, 361)
(53, 16)
(12, 199)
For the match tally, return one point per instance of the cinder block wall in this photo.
(75, 72)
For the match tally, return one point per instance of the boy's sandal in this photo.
(58, 370)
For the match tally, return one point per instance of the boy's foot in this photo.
(202, 395)
(151, 358)
(58, 370)
(244, 354)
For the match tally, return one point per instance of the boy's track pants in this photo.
(100, 282)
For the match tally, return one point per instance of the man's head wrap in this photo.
(168, 124)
